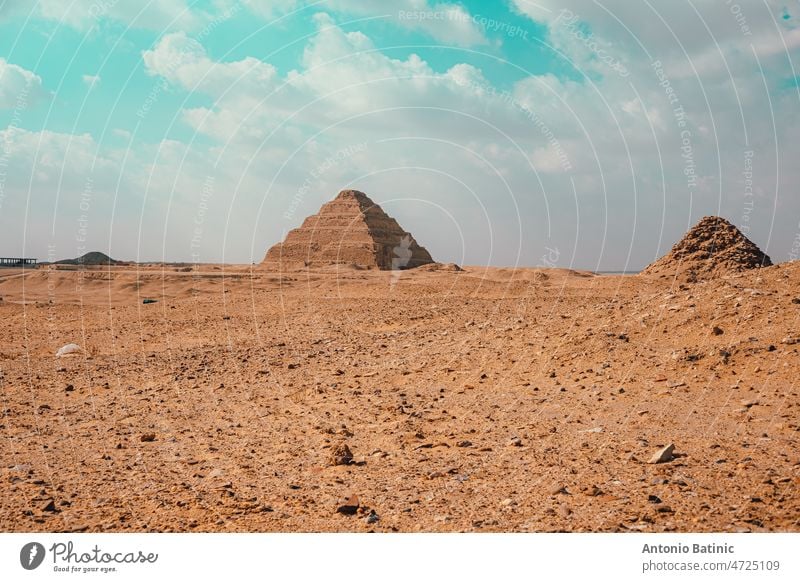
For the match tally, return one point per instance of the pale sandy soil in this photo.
(487, 400)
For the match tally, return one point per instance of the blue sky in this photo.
(497, 133)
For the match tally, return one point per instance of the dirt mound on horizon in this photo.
(713, 247)
(93, 258)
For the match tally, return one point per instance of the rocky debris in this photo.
(663, 456)
(349, 230)
(148, 437)
(515, 442)
(713, 247)
(68, 350)
(349, 505)
(443, 267)
(69, 388)
(274, 451)
(341, 455)
(372, 517)
(49, 506)
(716, 330)
(593, 491)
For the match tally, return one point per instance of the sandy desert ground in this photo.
(482, 400)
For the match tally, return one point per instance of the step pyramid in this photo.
(713, 247)
(349, 230)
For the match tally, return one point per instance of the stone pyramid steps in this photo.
(349, 230)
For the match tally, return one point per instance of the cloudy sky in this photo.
(580, 133)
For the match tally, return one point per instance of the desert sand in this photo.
(343, 398)
(482, 400)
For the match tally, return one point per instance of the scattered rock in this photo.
(515, 442)
(663, 456)
(717, 330)
(148, 437)
(372, 517)
(464, 444)
(68, 350)
(69, 388)
(790, 341)
(349, 505)
(596, 429)
(49, 506)
(341, 455)
(653, 499)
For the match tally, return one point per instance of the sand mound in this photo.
(349, 230)
(713, 247)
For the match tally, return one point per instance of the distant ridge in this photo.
(93, 258)
(713, 247)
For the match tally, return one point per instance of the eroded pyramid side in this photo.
(713, 247)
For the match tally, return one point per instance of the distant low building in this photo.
(18, 263)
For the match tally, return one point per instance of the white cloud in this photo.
(19, 88)
(447, 23)
(446, 135)
(161, 15)
(91, 81)
(182, 60)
